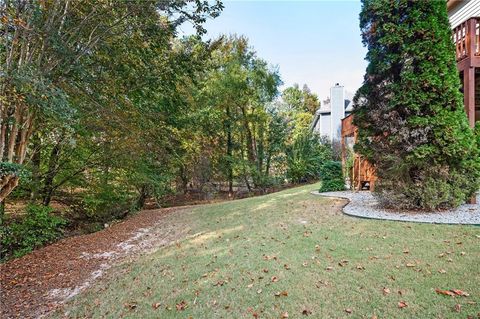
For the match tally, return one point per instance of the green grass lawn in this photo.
(293, 252)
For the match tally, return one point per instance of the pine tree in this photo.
(412, 125)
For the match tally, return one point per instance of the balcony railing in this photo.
(466, 37)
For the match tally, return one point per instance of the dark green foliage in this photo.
(409, 111)
(36, 229)
(305, 157)
(477, 133)
(332, 177)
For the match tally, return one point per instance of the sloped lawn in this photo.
(292, 252)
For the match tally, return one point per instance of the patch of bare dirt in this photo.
(37, 283)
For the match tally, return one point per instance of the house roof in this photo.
(326, 107)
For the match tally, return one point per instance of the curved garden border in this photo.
(363, 204)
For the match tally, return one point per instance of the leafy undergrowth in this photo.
(292, 254)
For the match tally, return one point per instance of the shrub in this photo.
(305, 157)
(36, 229)
(409, 111)
(332, 177)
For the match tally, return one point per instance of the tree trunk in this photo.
(229, 154)
(52, 171)
(35, 162)
(142, 197)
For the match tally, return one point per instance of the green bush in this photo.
(305, 157)
(106, 205)
(36, 229)
(332, 177)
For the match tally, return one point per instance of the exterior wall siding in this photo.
(463, 11)
(325, 125)
(337, 96)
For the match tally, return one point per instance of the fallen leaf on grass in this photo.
(445, 292)
(306, 312)
(348, 310)
(343, 263)
(181, 306)
(442, 271)
(156, 305)
(460, 293)
(284, 315)
(402, 304)
(130, 305)
(386, 291)
(452, 292)
(281, 293)
(329, 268)
(287, 267)
(274, 279)
(457, 308)
(410, 265)
(220, 283)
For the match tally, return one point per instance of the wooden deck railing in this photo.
(466, 37)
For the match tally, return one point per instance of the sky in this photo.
(317, 43)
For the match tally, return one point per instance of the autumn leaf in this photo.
(343, 263)
(452, 292)
(181, 306)
(445, 292)
(274, 279)
(130, 305)
(402, 304)
(287, 267)
(306, 312)
(156, 305)
(386, 291)
(284, 315)
(457, 308)
(348, 310)
(460, 293)
(281, 293)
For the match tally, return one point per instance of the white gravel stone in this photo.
(363, 204)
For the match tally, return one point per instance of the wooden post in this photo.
(469, 94)
(472, 200)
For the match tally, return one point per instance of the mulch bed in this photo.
(26, 282)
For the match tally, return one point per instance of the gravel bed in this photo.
(363, 204)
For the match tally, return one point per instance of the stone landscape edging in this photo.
(363, 205)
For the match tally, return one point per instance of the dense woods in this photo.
(104, 106)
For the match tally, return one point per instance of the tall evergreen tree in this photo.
(409, 111)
